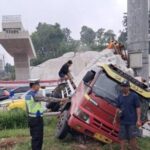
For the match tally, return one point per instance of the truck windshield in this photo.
(106, 88)
(109, 90)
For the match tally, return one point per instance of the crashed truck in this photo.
(92, 107)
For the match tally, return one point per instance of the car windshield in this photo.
(1, 92)
(106, 88)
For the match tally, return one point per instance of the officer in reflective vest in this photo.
(35, 113)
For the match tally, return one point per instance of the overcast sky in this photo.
(73, 14)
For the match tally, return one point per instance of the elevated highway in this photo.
(17, 42)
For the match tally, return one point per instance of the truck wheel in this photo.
(62, 127)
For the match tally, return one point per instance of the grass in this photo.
(22, 138)
(144, 143)
(14, 133)
(13, 119)
(50, 143)
(17, 118)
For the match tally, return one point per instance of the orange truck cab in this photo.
(92, 108)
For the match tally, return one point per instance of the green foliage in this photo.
(108, 35)
(123, 33)
(13, 119)
(23, 141)
(9, 68)
(87, 35)
(50, 121)
(143, 144)
(125, 21)
(103, 38)
(9, 72)
(122, 37)
(17, 118)
(96, 40)
(47, 40)
(66, 33)
(51, 41)
(6, 133)
(100, 36)
(50, 142)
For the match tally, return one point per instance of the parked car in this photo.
(19, 91)
(19, 103)
(93, 106)
(4, 94)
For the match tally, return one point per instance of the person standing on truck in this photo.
(129, 112)
(64, 72)
(35, 113)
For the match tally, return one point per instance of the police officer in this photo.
(35, 113)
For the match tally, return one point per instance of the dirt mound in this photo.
(9, 143)
(49, 69)
(81, 63)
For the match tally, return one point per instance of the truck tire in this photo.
(62, 127)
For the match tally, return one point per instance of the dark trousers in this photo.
(36, 132)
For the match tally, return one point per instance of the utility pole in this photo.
(138, 45)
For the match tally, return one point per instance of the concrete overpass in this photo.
(16, 41)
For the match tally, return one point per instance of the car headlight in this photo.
(82, 115)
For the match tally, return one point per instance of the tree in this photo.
(48, 38)
(123, 33)
(99, 34)
(125, 21)
(10, 71)
(123, 37)
(51, 41)
(87, 36)
(100, 39)
(103, 37)
(67, 32)
(108, 35)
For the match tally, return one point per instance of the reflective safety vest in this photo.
(34, 108)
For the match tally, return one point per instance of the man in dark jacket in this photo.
(129, 112)
(64, 72)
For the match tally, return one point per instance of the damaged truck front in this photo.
(93, 105)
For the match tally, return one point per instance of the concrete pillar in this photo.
(22, 64)
(138, 32)
(17, 42)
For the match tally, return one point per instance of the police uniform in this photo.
(35, 118)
